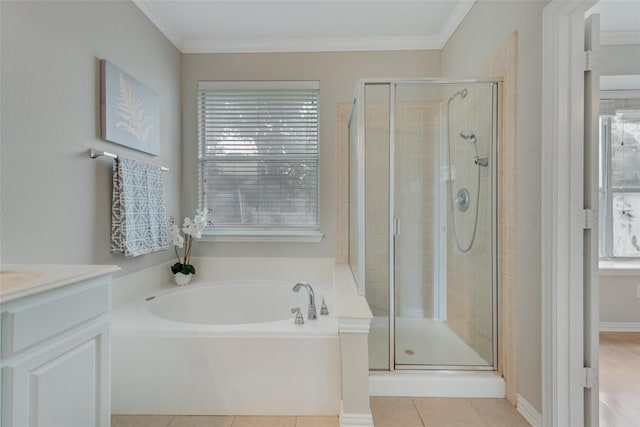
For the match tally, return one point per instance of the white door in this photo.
(591, 295)
(569, 206)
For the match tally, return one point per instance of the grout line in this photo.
(413, 400)
(482, 417)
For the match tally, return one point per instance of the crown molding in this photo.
(325, 44)
(333, 44)
(147, 7)
(456, 17)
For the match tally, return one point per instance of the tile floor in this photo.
(387, 412)
(444, 412)
(219, 421)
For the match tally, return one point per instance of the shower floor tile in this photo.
(420, 341)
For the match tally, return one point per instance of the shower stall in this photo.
(422, 221)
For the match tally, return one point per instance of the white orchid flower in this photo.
(192, 229)
(188, 227)
(176, 237)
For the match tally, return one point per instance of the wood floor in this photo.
(619, 379)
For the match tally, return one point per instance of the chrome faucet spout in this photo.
(312, 298)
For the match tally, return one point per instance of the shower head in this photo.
(462, 93)
(468, 135)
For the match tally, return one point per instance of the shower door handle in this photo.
(396, 226)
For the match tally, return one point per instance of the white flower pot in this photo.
(182, 279)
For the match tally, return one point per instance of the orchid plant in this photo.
(192, 229)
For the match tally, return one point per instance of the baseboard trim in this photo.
(355, 420)
(529, 413)
(620, 326)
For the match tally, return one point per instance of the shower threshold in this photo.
(427, 368)
(436, 384)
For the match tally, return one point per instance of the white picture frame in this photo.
(130, 111)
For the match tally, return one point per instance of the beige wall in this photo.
(619, 301)
(56, 201)
(486, 26)
(619, 59)
(337, 73)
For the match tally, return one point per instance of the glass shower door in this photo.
(442, 263)
(377, 251)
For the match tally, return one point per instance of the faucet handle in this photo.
(299, 318)
(323, 308)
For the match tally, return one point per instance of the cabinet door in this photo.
(66, 385)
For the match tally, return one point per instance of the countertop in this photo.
(18, 281)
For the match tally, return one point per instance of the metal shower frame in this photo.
(358, 108)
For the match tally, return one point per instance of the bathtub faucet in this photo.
(312, 299)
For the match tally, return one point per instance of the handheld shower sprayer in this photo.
(468, 135)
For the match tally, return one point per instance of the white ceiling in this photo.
(199, 26)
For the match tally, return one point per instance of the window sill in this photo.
(619, 268)
(263, 236)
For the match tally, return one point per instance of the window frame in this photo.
(253, 233)
(606, 190)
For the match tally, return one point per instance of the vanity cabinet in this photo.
(55, 349)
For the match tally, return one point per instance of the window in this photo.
(258, 157)
(619, 177)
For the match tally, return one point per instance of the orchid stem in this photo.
(177, 254)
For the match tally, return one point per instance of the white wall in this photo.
(337, 73)
(486, 26)
(55, 200)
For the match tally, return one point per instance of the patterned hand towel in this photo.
(138, 218)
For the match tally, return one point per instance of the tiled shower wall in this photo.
(469, 274)
(416, 139)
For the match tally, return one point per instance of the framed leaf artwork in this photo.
(130, 111)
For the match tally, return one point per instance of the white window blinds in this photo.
(258, 154)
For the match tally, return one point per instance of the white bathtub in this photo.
(226, 348)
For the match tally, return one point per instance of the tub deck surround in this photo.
(18, 281)
(227, 344)
(354, 318)
(209, 361)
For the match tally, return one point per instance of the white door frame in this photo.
(562, 212)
